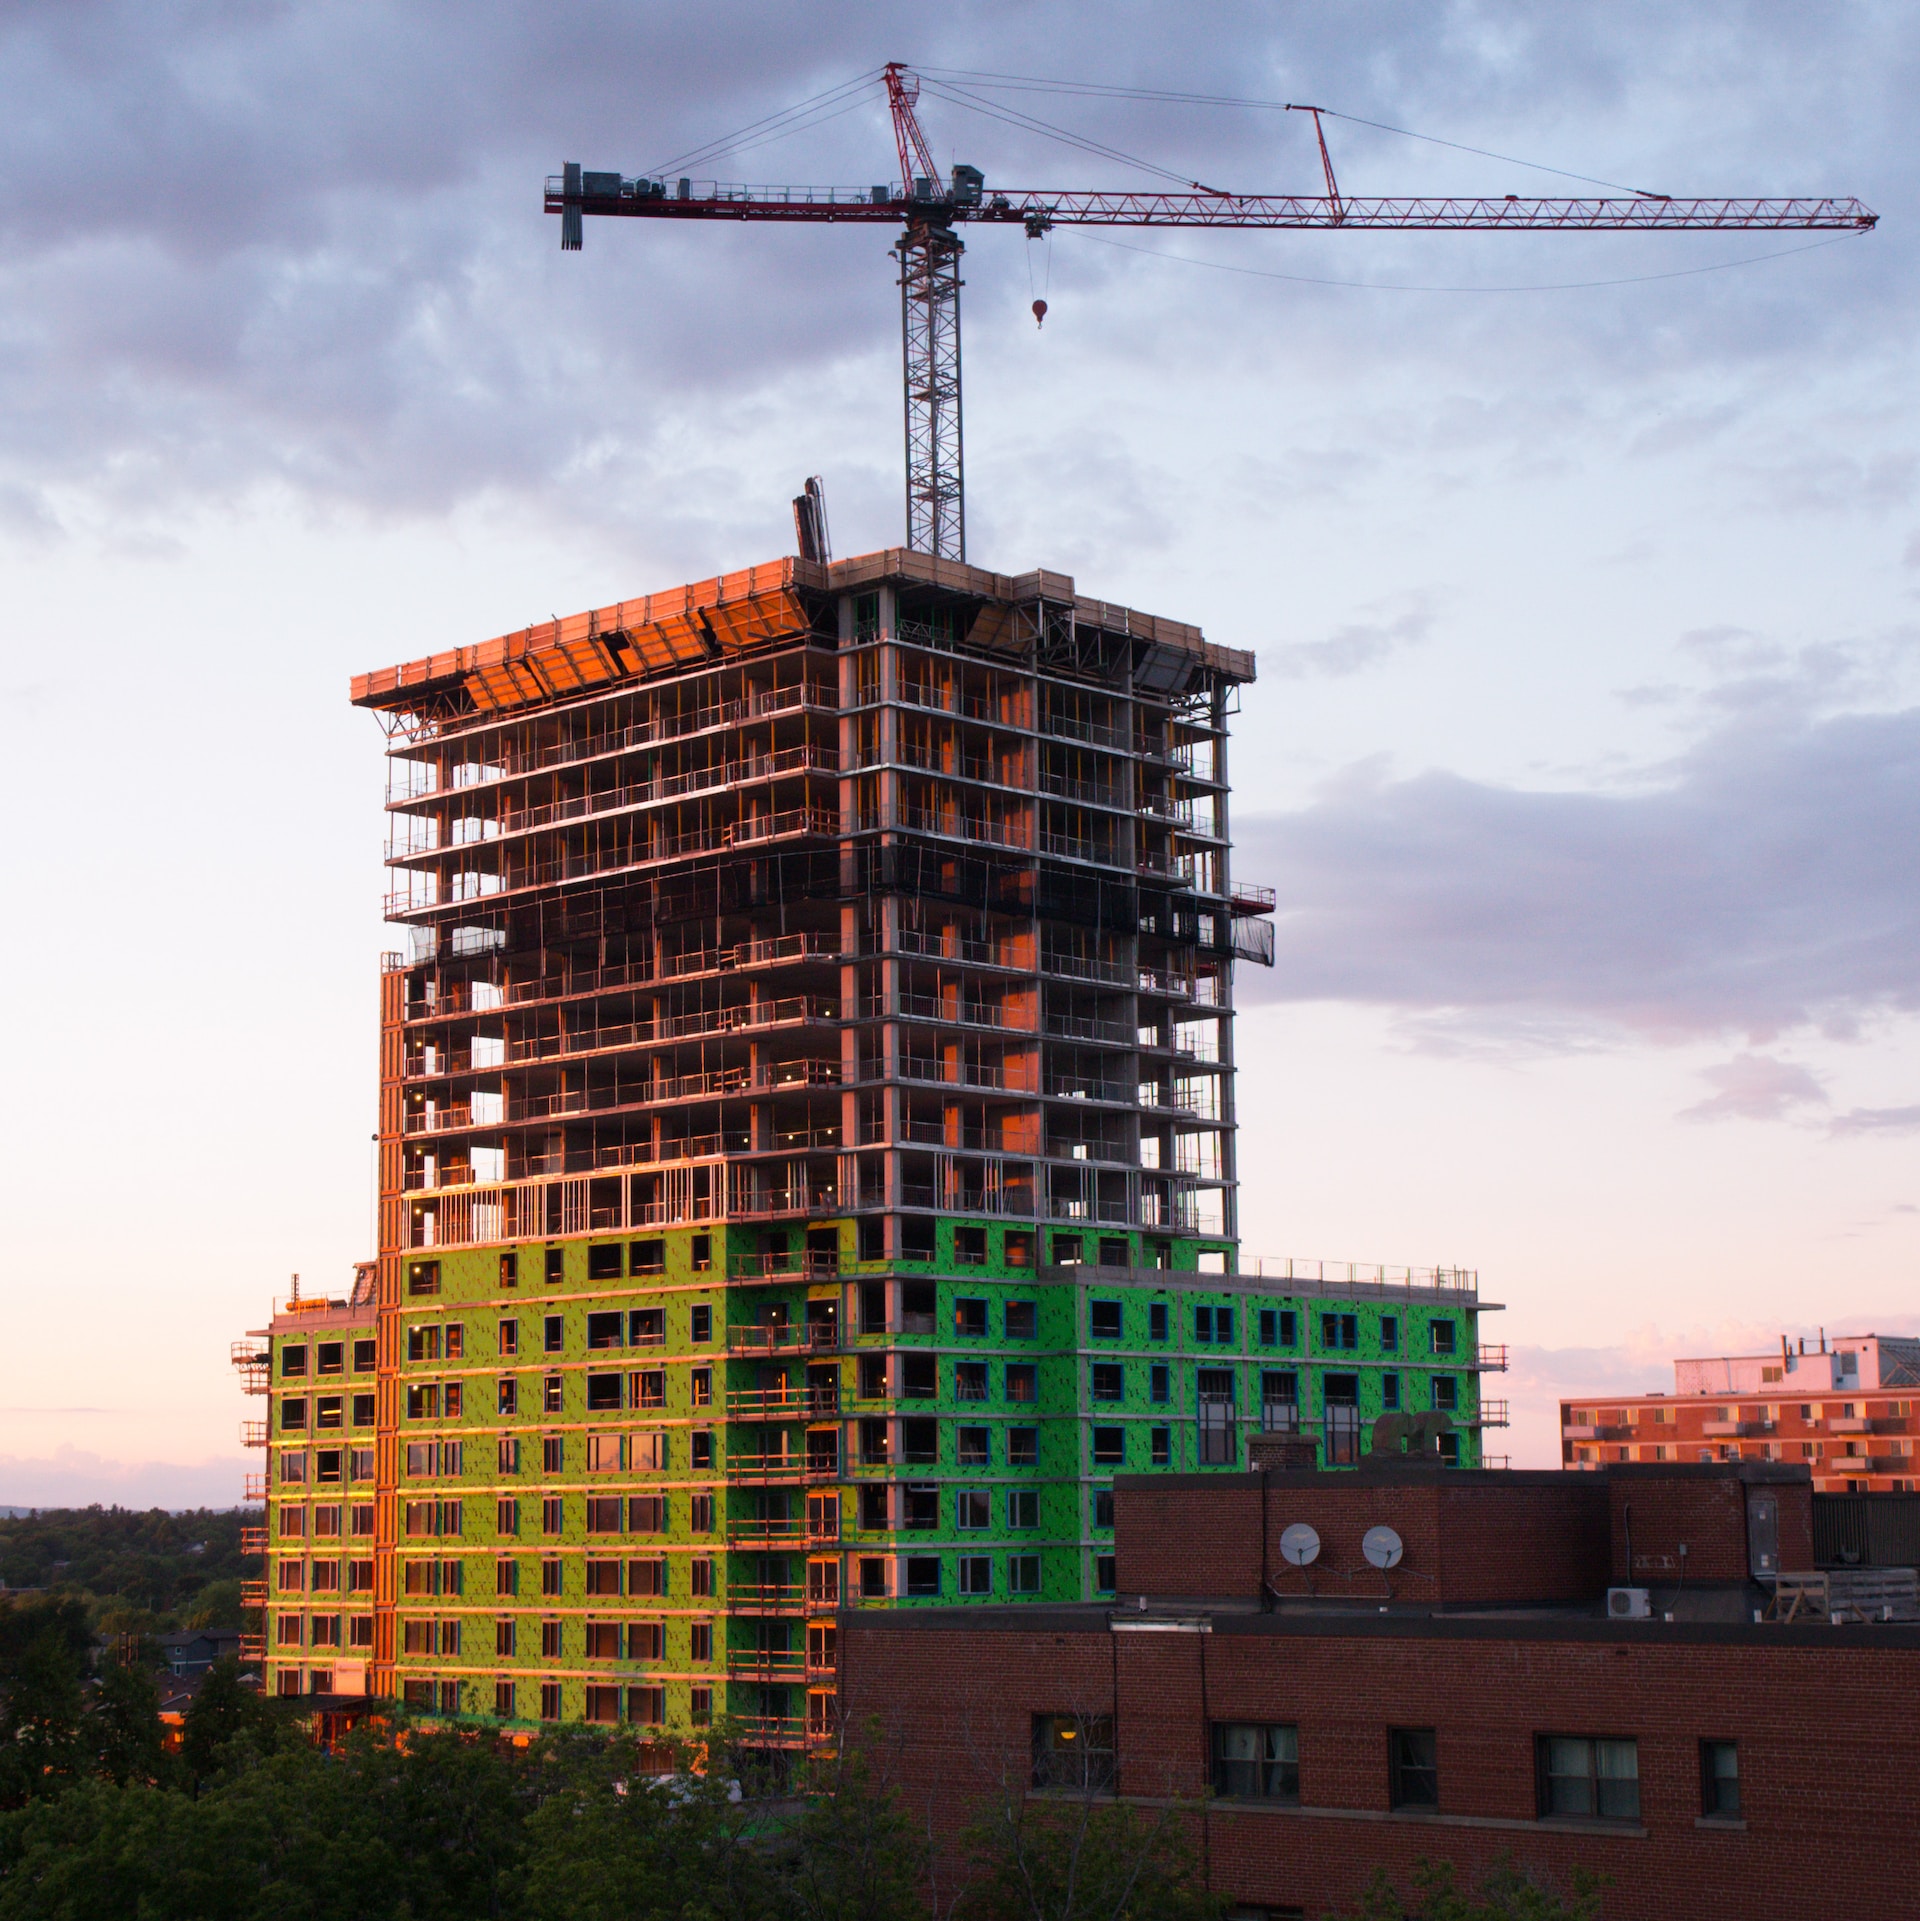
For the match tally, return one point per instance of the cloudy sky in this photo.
(1582, 570)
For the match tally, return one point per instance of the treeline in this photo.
(138, 1572)
(250, 1821)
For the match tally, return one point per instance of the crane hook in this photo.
(1039, 313)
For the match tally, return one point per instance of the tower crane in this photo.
(929, 209)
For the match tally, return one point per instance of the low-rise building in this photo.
(1845, 1411)
(1322, 1674)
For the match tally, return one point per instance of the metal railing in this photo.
(422, 782)
(811, 1337)
(612, 800)
(1464, 1280)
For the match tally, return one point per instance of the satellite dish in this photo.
(1382, 1547)
(1299, 1544)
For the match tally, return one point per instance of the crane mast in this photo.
(928, 251)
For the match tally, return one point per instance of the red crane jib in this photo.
(650, 200)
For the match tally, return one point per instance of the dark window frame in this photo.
(1266, 1776)
(1714, 1785)
(1413, 1769)
(1550, 1798)
(1073, 1752)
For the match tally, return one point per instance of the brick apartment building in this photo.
(1476, 1698)
(1844, 1411)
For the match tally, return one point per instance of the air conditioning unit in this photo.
(1629, 1604)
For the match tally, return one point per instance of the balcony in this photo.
(253, 1647)
(1732, 1430)
(757, 1531)
(253, 1433)
(767, 1664)
(769, 1731)
(784, 1403)
(1490, 1359)
(253, 1594)
(1848, 1424)
(811, 1337)
(253, 1540)
(255, 1365)
(816, 1264)
(1489, 1414)
(751, 1597)
(253, 1489)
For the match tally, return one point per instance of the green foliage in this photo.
(433, 1826)
(147, 1562)
(1506, 1894)
(228, 1725)
(43, 1666)
(1083, 1860)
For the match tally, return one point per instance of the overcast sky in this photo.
(1582, 571)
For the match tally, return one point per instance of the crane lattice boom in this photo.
(928, 209)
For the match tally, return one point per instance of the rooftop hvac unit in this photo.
(1629, 1604)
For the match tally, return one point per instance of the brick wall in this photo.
(1708, 1511)
(1829, 1778)
(1467, 1539)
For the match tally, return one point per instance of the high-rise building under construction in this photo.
(807, 1157)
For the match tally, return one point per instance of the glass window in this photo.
(1109, 1381)
(1023, 1574)
(976, 1574)
(1072, 1751)
(1588, 1778)
(1413, 1768)
(1157, 1321)
(1021, 1321)
(923, 1574)
(1104, 1320)
(1103, 1573)
(1110, 1446)
(1256, 1761)
(1719, 1780)
(1162, 1446)
(1023, 1447)
(1160, 1383)
(1023, 1507)
(1441, 1335)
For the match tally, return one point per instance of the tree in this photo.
(43, 1664)
(223, 1715)
(122, 1728)
(1083, 1860)
(854, 1853)
(1506, 1894)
